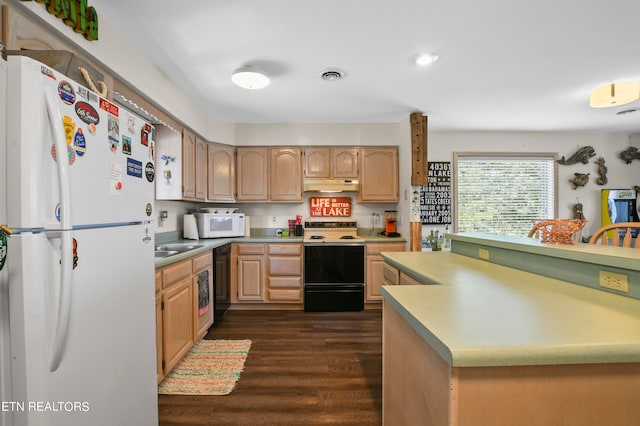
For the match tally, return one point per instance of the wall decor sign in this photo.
(75, 14)
(330, 206)
(435, 198)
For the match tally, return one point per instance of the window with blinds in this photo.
(503, 193)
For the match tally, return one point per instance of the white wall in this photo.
(620, 175)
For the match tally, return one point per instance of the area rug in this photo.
(211, 367)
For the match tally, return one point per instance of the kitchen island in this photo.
(488, 344)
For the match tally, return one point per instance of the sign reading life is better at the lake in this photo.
(330, 206)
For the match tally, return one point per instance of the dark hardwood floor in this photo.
(303, 368)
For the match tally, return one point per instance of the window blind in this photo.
(503, 194)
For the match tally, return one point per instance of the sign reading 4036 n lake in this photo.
(435, 198)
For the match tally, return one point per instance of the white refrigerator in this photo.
(78, 277)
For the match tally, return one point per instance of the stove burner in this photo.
(316, 237)
(347, 237)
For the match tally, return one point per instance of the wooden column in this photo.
(418, 149)
(418, 170)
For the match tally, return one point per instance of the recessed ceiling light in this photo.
(426, 59)
(249, 77)
(332, 74)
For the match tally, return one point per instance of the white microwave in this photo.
(217, 225)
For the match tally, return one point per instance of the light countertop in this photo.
(483, 314)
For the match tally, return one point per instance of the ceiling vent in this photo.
(332, 75)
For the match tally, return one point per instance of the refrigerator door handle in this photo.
(59, 338)
(64, 185)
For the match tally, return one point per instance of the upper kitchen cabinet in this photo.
(201, 169)
(379, 181)
(188, 165)
(221, 173)
(331, 162)
(286, 174)
(252, 174)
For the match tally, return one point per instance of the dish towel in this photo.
(204, 300)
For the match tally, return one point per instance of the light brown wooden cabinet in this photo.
(284, 272)
(247, 272)
(177, 313)
(221, 172)
(188, 164)
(178, 323)
(200, 170)
(331, 162)
(285, 174)
(376, 274)
(252, 174)
(202, 267)
(379, 181)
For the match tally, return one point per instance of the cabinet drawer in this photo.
(377, 248)
(391, 275)
(176, 272)
(250, 248)
(285, 266)
(285, 249)
(285, 282)
(202, 262)
(285, 295)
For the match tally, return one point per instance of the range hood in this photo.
(331, 185)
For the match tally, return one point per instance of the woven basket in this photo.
(559, 231)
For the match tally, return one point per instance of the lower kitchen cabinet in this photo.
(375, 276)
(284, 273)
(202, 294)
(247, 272)
(178, 320)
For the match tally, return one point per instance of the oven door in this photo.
(333, 277)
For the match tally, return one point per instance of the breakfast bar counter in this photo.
(485, 344)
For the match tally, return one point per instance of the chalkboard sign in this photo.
(435, 198)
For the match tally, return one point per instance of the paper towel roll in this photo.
(247, 226)
(190, 230)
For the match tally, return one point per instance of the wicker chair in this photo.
(601, 237)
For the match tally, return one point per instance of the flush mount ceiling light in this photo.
(249, 77)
(614, 94)
(426, 59)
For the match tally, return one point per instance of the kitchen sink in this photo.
(166, 250)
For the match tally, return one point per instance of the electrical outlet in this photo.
(614, 281)
(274, 220)
(483, 254)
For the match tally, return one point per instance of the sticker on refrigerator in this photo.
(79, 143)
(134, 168)
(126, 145)
(131, 124)
(85, 93)
(66, 92)
(69, 128)
(87, 113)
(144, 134)
(46, 71)
(150, 171)
(149, 209)
(114, 133)
(75, 253)
(71, 154)
(109, 107)
(115, 179)
(3, 248)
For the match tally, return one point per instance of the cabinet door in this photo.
(317, 162)
(159, 326)
(376, 269)
(379, 175)
(221, 173)
(252, 183)
(344, 162)
(250, 278)
(201, 169)
(188, 164)
(177, 323)
(286, 174)
(202, 302)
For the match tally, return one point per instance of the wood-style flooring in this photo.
(303, 368)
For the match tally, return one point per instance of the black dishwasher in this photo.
(221, 282)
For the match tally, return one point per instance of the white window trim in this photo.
(457, 155)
